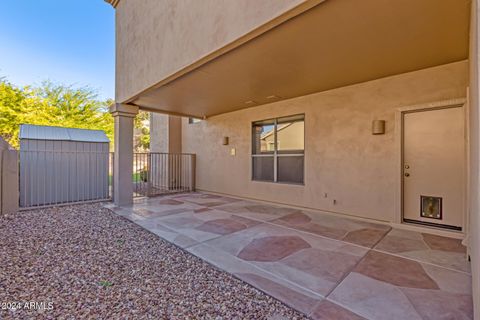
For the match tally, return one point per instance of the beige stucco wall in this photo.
(342, 158)
(156, 38)
(158, 132)
(165, 133)
(9, 191)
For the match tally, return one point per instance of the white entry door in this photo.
(434, 167)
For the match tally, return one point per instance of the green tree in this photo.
(142, 131)
(54, 105)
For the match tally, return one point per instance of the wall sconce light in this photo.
(225, 141)
(378, 127)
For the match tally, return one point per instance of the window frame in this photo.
(276, 155)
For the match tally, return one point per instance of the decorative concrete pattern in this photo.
(327, 310)
(384, 267)
(442, 251)
(383, 286)
(326, 266)
(257, 211)
(269, 249)
(289, 293)
(206, 200)
(315, 263)
(205, 225)
(349, 230)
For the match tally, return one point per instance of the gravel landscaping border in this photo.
(84, 261)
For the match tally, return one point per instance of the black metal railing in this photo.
(156, 173)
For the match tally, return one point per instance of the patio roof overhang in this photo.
(114, 3)
(334, 44)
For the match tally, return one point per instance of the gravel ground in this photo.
(86, 262)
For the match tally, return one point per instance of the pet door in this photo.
(431, 207)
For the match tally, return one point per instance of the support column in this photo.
(474, 169)
(123, 159)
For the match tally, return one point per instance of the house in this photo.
(363, 108)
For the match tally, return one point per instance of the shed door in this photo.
(434, 167)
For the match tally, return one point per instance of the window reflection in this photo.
(278, 149)
(263, 136)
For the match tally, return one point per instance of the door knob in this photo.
(407, 174)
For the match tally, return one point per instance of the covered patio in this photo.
(321, 264)
(355, 227)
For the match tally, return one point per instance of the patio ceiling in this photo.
(335, 44)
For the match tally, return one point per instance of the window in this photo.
(278, 149)
(193, 120)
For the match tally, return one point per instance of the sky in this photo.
(64, 41)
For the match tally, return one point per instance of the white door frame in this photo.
(399, 113)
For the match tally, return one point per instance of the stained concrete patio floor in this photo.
(325, 266)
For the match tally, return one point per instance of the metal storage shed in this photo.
(62, 165)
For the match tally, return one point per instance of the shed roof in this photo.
(34, 132)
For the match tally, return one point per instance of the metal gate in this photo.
(163, 173)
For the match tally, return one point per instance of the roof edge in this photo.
(54, 133)
(114, 3)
